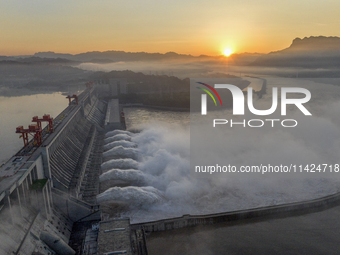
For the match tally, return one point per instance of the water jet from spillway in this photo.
(119, 163)
(126, 176)
(133, 196)
(117, 138)
(117, 132)
(120, 152)
(125, 144)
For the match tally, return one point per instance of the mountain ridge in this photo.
(309, 52)
(313, 51)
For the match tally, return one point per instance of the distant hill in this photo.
(51, 54)
(35, 60)
(117, 56)
(309, 52)
(113, 56)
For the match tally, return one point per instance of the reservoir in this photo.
(18, 111)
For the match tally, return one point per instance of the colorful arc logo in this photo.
(208, 92)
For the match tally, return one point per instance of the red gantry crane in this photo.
(73, 96)
(32, 129)
(46, 118)
(35, 129)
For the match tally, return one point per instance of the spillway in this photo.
(127, 176)
(117, 132)
(133, 196)
(118, 137)
(120, 152)
(125, 144)
(120, 164)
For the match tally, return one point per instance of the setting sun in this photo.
(227, 52)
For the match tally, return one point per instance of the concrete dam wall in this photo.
(49, 189)
(65, 157)
(69, 151)
(238, 217)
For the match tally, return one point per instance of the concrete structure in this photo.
(48, 193)
(113, 118)
(307, 227)
(40, 187)
(117, 86)
(113, 87)
(313, 233)
(56, 244)
(261, 213)
(114, 237)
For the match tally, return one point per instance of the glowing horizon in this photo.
(79, 26)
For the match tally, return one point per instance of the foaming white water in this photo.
(123, 143)
(117, 138)
(118, 132)
(134, 196)
(131, 176)
(119, 163)
(120, 152)
(165, 156)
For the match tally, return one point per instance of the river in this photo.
(18, 111)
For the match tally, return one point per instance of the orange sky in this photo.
(189, 27)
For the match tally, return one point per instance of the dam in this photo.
(47, 192)
(48, 200)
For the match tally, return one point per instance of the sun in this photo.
(227, 52)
